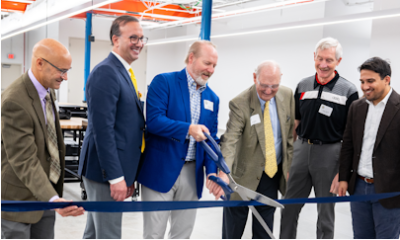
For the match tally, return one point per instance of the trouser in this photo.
(372, 220)
(312, 166)
(101, 224)
(44, 229)
(182, 221)
(235, 218)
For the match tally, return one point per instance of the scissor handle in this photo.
(216, 157)
(227, 190)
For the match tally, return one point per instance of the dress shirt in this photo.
(276, 127)
(372, 123)
(42, 91)
(195, 107)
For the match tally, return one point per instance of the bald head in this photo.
(267, 78)
(49, 59)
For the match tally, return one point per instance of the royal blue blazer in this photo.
(168, 119)
(113, 139)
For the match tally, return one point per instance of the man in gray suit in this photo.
(32, 146)
(258, 145)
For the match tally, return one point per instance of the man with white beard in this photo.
(180, 108)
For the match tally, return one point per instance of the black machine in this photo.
(68, 111)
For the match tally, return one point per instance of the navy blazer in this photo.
(113, 140)
(168, 120)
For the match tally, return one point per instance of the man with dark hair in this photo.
(114, 138)
(369, 159)
(180, 107)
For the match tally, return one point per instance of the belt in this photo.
(318, 142)
(367, 180)
(191, 161)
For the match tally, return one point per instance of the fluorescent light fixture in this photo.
(56, 19)
(305, 24)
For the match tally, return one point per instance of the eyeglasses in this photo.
(136, 39)
(63, 72)
(265, 86)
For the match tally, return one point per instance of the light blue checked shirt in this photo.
(195, 109)
(276, 127)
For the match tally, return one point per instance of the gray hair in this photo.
(327, 43)
(267, 63)
(195, 48)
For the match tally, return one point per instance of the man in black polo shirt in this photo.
(321, 102)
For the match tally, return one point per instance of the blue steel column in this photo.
(205, 31)
(87, 51)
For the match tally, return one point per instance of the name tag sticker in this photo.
(325, 110)
(255, 119)
(209, 105)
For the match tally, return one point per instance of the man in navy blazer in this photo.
(113, 142)
(180, 107)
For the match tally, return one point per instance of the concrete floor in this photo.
(208, 221)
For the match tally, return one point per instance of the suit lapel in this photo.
(256, 109)
(185, 93)
(279, 98)
(360, 125)
(127, 78)
(36, 103)
(390, 111)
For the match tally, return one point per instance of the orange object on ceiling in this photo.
(7, 6)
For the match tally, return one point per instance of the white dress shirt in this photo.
(372, 123)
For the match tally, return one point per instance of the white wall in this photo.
(13, 45)
(385, 40)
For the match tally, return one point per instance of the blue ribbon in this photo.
(22, 206)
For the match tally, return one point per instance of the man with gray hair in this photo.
(258, 146)
(322, 102)
(180, 108)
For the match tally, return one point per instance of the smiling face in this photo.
(123, 46)
(52, 77)
(267, 83)
(374, 88)
(325, 64)
(203, 66)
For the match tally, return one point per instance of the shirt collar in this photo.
(384, 100)
(42, 91)
(330, 84)
(191, 81)
(124, 63)
(262, 102)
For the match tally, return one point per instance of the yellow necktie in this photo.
(270, 156)
(133, 79)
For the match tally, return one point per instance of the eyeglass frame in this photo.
(143, 39)
(63, 72)
(265, 86)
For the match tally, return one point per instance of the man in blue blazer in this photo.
(180, 107)
(113, 142)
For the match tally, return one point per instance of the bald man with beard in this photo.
(32, 147)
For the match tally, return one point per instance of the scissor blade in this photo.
(257, 197)
(261, 221)
(257, 215)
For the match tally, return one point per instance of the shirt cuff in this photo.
(117, 180)
(55, 197)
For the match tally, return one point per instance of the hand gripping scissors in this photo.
(245, 193)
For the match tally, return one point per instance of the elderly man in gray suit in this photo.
(258, 145)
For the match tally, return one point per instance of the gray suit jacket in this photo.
(25, 160)
(243, 144)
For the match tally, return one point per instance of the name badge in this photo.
(255, 119)
(209, 105)
(325, 110)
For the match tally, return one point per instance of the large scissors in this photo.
(231, 187)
